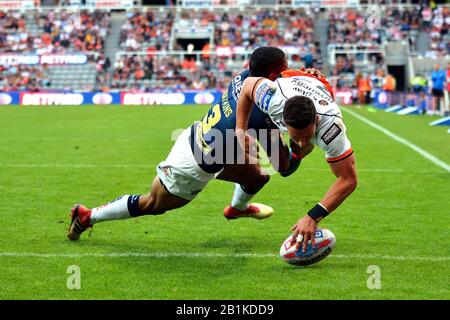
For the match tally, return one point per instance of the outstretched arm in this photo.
(345, 184)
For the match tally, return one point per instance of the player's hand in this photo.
(306, 226)
(313, 71)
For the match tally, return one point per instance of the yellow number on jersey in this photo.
(211, 120)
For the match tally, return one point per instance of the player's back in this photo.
(330, 134)
(272, 100)
(220, 119)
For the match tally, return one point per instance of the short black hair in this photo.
(266, 60)
(299, 112)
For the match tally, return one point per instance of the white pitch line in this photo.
(72, 166)
(407, 143)
(137, 166)
(208, 255)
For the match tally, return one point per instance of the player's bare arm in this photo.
(244, 109)
(345, 184)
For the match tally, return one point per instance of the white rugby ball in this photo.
(325, 242)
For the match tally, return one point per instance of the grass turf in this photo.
(53, 157)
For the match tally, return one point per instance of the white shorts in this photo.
(180, 173)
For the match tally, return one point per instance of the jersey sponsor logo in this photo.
(129, 98)
(331, 133)
(306, 88)
(39, 99)
(323, 103)
(226, 107)
(263, 95)
(236, 87)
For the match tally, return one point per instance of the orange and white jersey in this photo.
(330, 135)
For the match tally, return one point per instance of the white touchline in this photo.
(208, 255)
(420, 151)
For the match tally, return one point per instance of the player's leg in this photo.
(157, 201)
(249, 179)
(179, 180)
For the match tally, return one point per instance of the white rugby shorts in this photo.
(180, 173)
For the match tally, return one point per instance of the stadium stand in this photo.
(179, 48)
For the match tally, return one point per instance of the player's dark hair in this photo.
(299, 112)
(265, 60)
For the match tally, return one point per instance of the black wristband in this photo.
(318, 213)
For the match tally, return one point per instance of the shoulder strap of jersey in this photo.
(295, 73)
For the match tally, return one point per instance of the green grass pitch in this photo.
(52, 157)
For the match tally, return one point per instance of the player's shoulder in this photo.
(296, 80)
(264, 90)
(236, 84)
(327, 107)
(331, 122)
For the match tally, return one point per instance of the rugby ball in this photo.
(325, 242)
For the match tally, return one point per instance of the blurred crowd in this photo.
(146, 31)
(281, 28)
(149, 33)
(57, 32)
(392, 24)
(146, 72)
(53, 32)
(26, 78)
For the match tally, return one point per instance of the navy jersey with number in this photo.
(212, 139)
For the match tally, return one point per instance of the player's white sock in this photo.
(240, 198)
(116, 209)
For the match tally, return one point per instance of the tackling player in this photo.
(304, 107)
(188, 168)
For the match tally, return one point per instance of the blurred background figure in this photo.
(389, 83)
(447, 92)
(364, 89)
(419, 85)
(438, 77)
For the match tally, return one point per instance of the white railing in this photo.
(232, 58)
(353, 49)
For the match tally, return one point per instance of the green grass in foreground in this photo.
(53, 157)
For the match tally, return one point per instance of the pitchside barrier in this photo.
(410, 103)
(417, 103)
(167, 97)
(109, 98)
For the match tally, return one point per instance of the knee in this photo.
(264, 179)
(257, 184)
(261, 181)
(148, 206)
